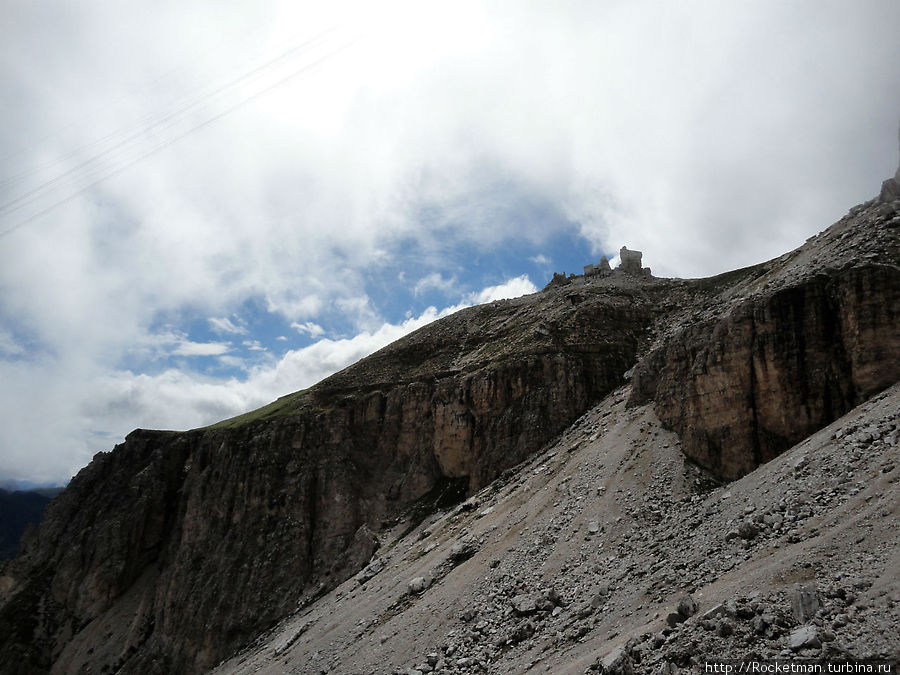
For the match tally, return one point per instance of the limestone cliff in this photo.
(176, 548)
(806, 339)
(173, 550)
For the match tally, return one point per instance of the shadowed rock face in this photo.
(786, 350)
(742, 389)
(172, 551)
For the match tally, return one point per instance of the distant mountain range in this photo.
(18, 509)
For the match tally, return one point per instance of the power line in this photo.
(174, 139)
(150, 124)
(153, 83)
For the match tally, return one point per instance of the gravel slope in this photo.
(581, 558)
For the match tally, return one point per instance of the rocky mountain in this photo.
(610, 551)
(330, 526)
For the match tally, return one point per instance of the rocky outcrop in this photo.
(630, 260)
(741, 390)
(808, 337)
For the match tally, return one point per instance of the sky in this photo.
(205, 206)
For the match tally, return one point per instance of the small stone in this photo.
(674, 618)
(617, 662)
(462, 551)
(593, 527)
(804, 602)
(524, 604)
(687, 607)
(804, 637)
(522, 632)
(748, 530)
(370, 570)
(714, 612)
(554, 597)
(418, 584)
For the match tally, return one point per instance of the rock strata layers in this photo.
(797, 348)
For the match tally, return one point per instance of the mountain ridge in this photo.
(256, 514)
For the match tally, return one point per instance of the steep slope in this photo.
(583, 555)
(173, 550)
(202, 538)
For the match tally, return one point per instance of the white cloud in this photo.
(314, 330)
(188, 348)
(540, 259)
(254, 345)
(434, 282)
(708, 135)
(226, 325)
(8, 345)
(510, 289)
(233, 362)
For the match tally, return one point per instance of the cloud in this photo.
(314, 330)
(434, 282)
(226, 325)
(254, 346)
(147, 182)
(188, 348)
(513, 288)
(9, 346)
(540, 259)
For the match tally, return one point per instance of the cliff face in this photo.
(785, 350)
(176, 548)
(172, 551)
(741, 390)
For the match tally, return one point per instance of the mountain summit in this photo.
(532, 481)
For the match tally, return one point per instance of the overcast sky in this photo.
(204, 206)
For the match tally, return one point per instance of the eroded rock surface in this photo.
(787, 352)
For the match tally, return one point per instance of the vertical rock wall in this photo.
(741, 389)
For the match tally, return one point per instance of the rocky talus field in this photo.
(608, 551)
(620, 473)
